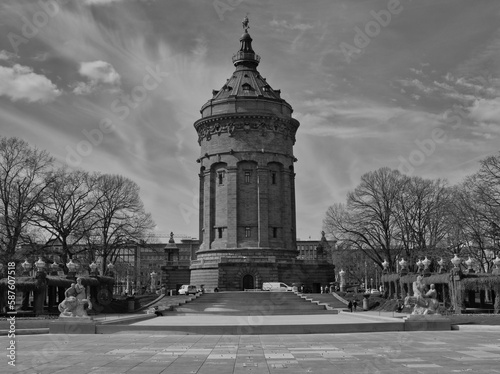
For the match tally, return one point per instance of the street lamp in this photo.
(366, 278)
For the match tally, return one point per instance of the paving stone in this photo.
(390, 352)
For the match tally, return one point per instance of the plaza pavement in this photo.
(476, 351)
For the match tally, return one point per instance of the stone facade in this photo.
(247, 186)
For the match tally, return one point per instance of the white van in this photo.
(276, 287)
(186, 289)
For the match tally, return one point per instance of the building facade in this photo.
(247, 185)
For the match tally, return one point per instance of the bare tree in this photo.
(23, 184)
(368, 221)
(67, 212)
(477, 203)
(122, 220)
(422, 215)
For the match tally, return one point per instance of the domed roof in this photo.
(245, 83)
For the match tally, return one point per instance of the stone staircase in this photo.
(252, 303)
(329, 300)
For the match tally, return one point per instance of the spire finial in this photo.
(245, 23)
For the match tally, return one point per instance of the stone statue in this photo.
(75, 300)
(245, 23)
(424, 303)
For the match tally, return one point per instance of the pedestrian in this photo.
(321, 289)
(355, 304)
(349, 305)
(326, 289)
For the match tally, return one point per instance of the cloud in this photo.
(101, 2)
(6, 55)
(486, 110)
(98, 73)
(285, 25)
(21, 83)
(416, 84)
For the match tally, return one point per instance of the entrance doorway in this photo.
(248, 283)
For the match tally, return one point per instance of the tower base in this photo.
(246, 273)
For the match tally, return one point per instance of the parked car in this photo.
(276, 287)
(187, 289)
(375, 292)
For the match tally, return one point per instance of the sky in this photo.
(115, 86)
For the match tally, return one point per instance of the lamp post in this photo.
(366, 278)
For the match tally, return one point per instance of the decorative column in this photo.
(232, 211)
(457, 291)
(26, 294)
(402, 272)
(40, 292)
(262, 206)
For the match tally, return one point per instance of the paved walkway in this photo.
(389, 352)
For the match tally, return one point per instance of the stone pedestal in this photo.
(73, 325)
(434, 322)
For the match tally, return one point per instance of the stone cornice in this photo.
(249, 152)
(217, 125)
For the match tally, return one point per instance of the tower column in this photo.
(201, 205)
(208, 222)
(262, 206)
(232, 207)
(288, 210)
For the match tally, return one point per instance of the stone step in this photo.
(253, 303)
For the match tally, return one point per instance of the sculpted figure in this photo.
(75, 300)
(425, 302)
